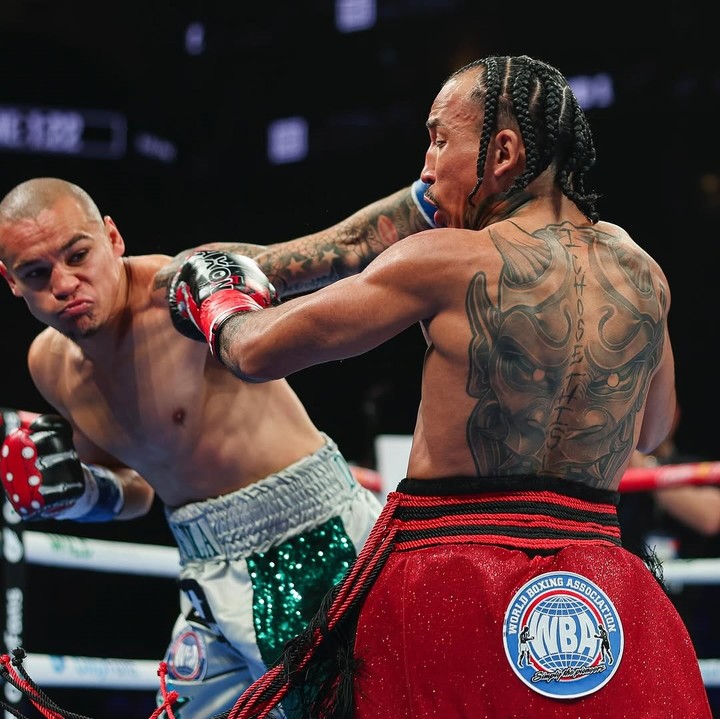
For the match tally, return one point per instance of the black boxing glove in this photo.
(44, 479)
(212, 286)
(178, 312)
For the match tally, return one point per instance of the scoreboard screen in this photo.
(98, 134)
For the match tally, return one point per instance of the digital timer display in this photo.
(64, 131)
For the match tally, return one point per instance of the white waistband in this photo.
(254, 518)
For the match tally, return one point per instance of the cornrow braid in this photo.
(490, 95)
(552, 124)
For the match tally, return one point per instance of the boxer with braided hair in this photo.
(266, 512)
(549, 362)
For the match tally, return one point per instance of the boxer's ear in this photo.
(116, 239)
(5, 272)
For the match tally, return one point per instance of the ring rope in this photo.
(647, 479)
(56, 670)
(710, 670)
(160, 561)
(59, 550)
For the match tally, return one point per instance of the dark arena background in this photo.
(207, 121)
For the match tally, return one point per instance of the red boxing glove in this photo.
(44, 478)
(11, 419)
(212, 286)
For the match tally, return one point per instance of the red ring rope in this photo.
(642, 479)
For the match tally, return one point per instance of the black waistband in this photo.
(450, 486)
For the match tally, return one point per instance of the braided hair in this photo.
(552, 124)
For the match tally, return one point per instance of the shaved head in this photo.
(28, 199)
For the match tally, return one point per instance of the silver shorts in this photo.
(255, 566)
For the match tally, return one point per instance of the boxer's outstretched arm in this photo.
(312, 261)
(258, 342)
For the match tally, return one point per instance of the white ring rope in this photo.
(710, 670)
(54, 670)
(44, 548)
(58, 550)
(691, 571)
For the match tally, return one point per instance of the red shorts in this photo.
(437, 634)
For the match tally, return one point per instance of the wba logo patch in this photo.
(187, 657)
(563, 636)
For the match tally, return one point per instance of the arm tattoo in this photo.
(310, 262)
(313, 261)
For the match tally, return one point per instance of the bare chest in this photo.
(139, 400)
